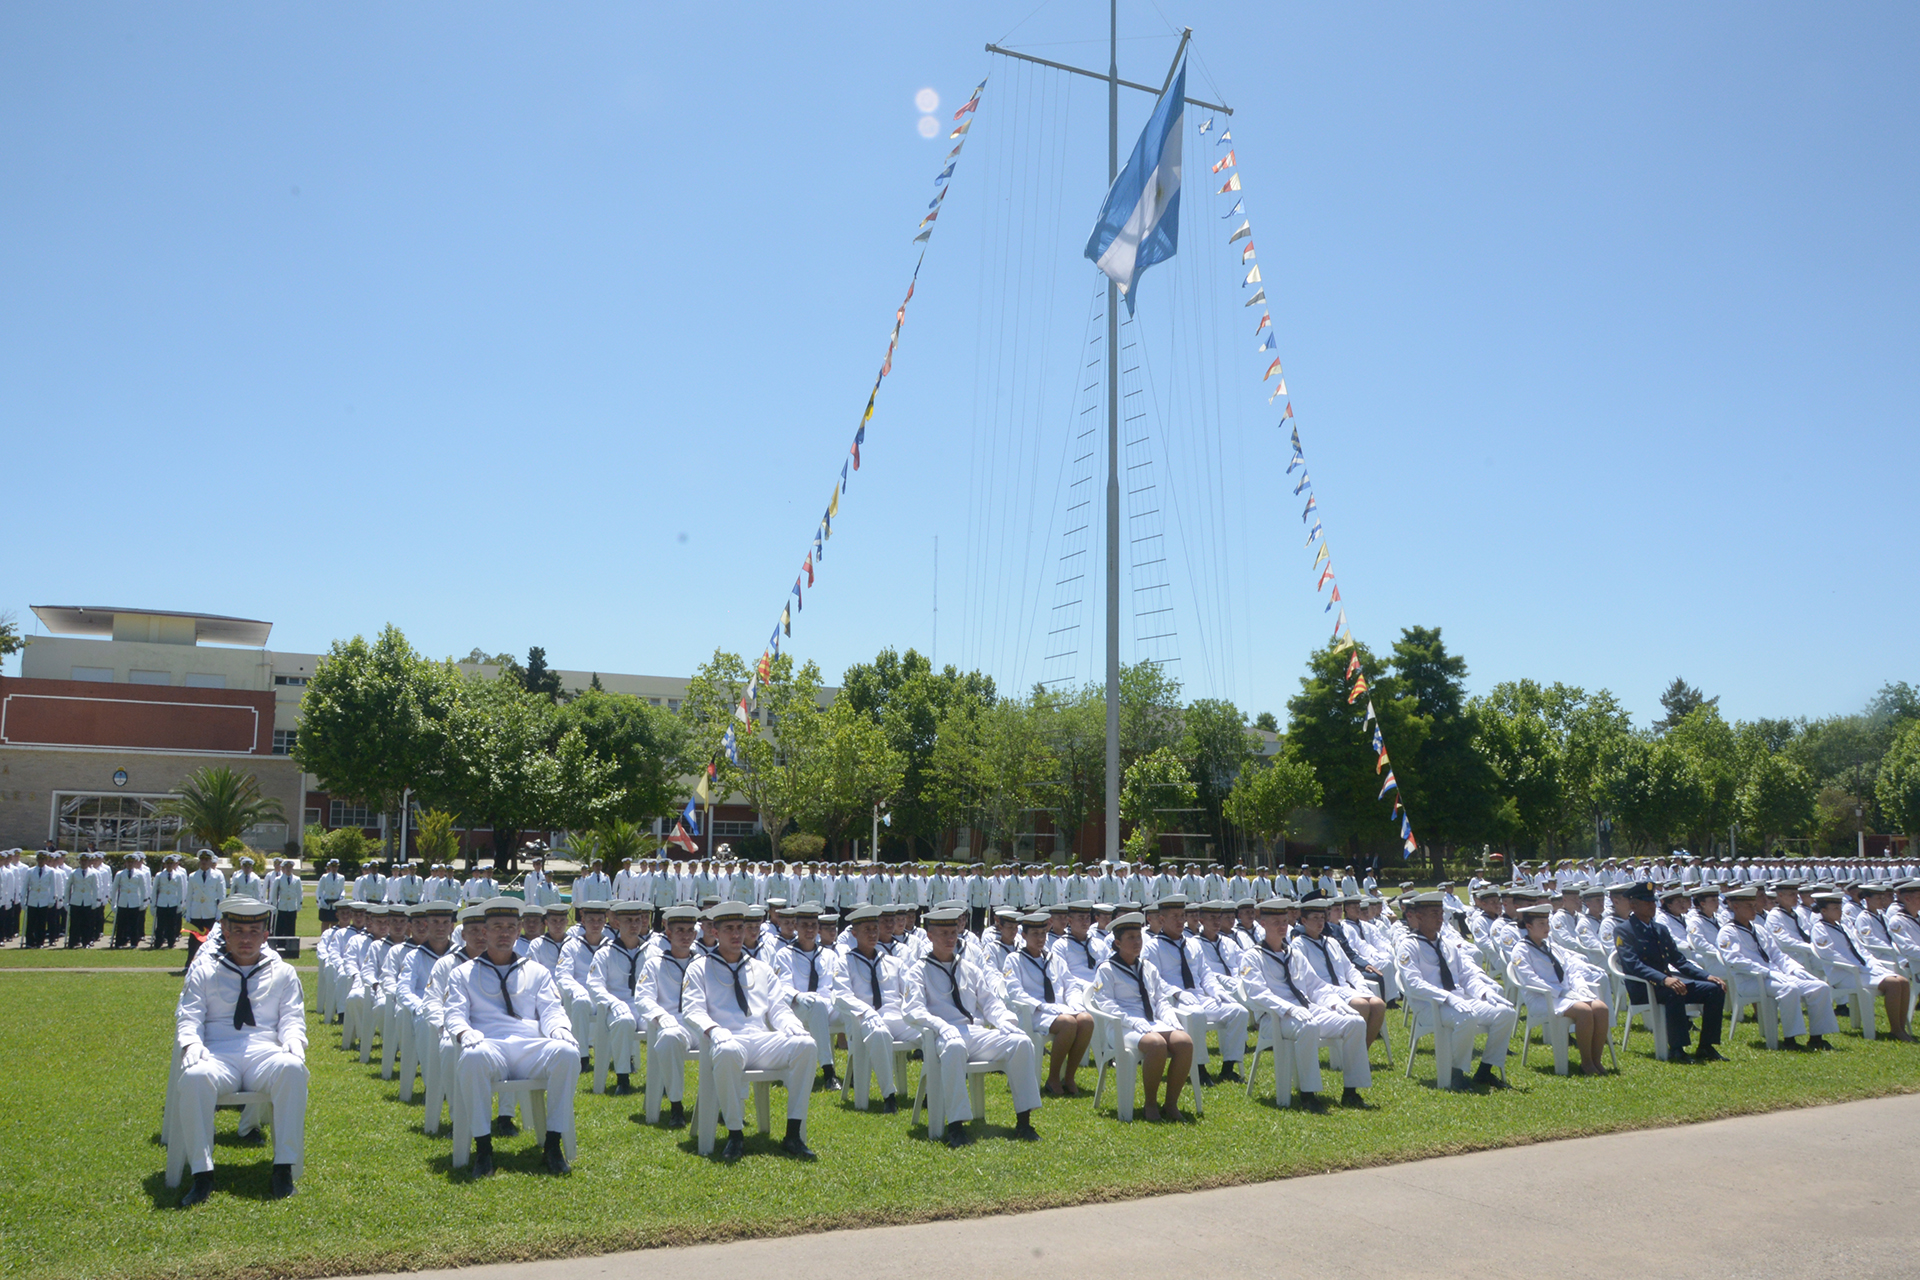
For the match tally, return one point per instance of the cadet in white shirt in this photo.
(1465, 999)
(169, 893)
(812, 974)
(328, 890)
(1038, 978)
(742, 1007)
(1753, 954)
(660, 1003)
(286, 893)
(1843, 956)
(576, 961)
(1195, 986)
(505, 1014)
(1313, 946)
(592, 887)
(132, 894)
(1129, 988)
(1572, 987)
(205, 888)
(241, 1026)
(873, 985)
(613, 979)
(961, 1004)
(1309, 1012)
(371, 886)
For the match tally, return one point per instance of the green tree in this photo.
(1217, 746)
(434, 837)
(1598, 736)
(1898, 786)
(1681, 700)
(1516, 733)
(645, 746)
(851, 768)
(907, 698)
(1150, 714)
(376, 719)
(1720, 761)
(1157, 786)
(774, 758)
(1446, 783)
(987, 763)
(617, 842)
(538, 677)
(216, 803)
(1776, 799)
(1265, 720)
(1267, 794)
(1656, 793)
(10, 639)
(1073, 730)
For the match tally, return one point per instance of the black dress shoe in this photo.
(1312, 1101)
(957, 1136)
(1025, 1132)
(735, 1147)
(677, 1117)
(504, 1127)
(1230, 1073)
(282, 1185)
(622, 1085)
(586, 1064)
(1485, 1077)
(796, 1146)
(482, 1166)
(198, 1191)
(892, 1105)
(1351, 1098)
(1707, 1053)
(556, 1154)
(828, 1080)
(1206, 1078)
(1818, 1043)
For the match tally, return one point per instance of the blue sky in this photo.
(551, 326)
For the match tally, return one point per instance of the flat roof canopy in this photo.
(97, 620)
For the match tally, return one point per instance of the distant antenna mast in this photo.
(936, 602)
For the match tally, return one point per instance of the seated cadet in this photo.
(1648, 955)
(533, 922)
(241, 1026)
(1703, 919)
(811, 974)
(1309, 1012)
(1749, 951)
(1080, 947)
(1903, 924)
(1130, 988)
(661, 1000)
(576, 963)
(1870, 922)
(742, 1008)
(1038, 978)
(1486, 910)
(961, 1004)
(1593, 911)
(546, 948)
(613, 983)
(1673, 914)
(1001, 941)
(504, 1012)
(1845, 958)
(1312, 945)
(436, 943)
(1572, 986)
(1792, 926)
(1192, 982)
(1437, 967)
(873, 984)
(1371, 957)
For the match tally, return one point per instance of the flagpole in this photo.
(1113, 459)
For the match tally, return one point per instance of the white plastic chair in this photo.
(390, 1033)
(1744, 990)
(1109, 1050)
(1849, 985)
(1424, 1020)
(706, 1103)
(857, 1083)
(1650, 1012)
(532, 1095)
(439, 1083)
(253, 1104)
(1268, 1039)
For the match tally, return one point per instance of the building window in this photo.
(735, 830)
(342, 814)
(202, 680)
(98, 675)
(291, 682)
(283, 740)
(311, 817)
(115, 822)
(149, 677)
(673, 704)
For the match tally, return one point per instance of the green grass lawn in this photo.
(80, 1167)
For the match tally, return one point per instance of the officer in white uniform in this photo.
(742, 1007)
(132, 895)
(328, 890)
(1309, 1013)
(593, 887)
(287, 894)
(504, 1012)
(205, 888)
(406, 888)
(1467, 1001)
(241, 1026)
(661, 1001)
(371, 886)
(535, 885)
(961, 1004)
(169, 895)
(248, 883)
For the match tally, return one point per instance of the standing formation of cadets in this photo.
(770, 968)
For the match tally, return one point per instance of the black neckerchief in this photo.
(243, 1008)
(1139, 980)
(953, 979)
(1040, 962)
(1286, 971)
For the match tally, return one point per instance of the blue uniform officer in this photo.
(1649, 954)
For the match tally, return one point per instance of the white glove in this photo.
(194, 1054)
(719, 1036)
(471, 1039)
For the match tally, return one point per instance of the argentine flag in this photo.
(1140, 223)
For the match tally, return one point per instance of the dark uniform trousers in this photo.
(40, 925)
(1648, 955)
(129, 925)
(166, 926)
(284, 923)
(9, 922)
(193, 940)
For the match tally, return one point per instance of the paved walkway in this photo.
(1830, 1191)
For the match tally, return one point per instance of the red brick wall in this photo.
(81, 713)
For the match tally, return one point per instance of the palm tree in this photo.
(217, 803)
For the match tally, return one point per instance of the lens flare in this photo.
(928, 126)
(927, 101)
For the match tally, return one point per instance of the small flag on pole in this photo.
(1233, 184)
(1246, 229)
(1224, 162)
(1391, 784)
(1258, 298)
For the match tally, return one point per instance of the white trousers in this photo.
(671, 1046)
(744, 1051)
(1008, 1051)
(877, 1031)
(1471, 1017)
(815, 1011)
(262, 1066)
(518, 1058)
(1788, 993)
(1323, 1024)
(1227, 1017)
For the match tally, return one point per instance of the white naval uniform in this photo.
(1310, 1013)
(875, 989)
(269, 1055)
(811, 978)
(532, 1042)
(572, 975)
(1084, 956)
(961, 1004)
(1136, 995)
(660, 1002)
(1562, 977)
(1749, 951)
(1040, 982)
(613, 979)
(205, 891)
(1842, 954)
(1465, 999)
(1196, 988)
(763, 1036)
(329, 889)
(592, 887)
